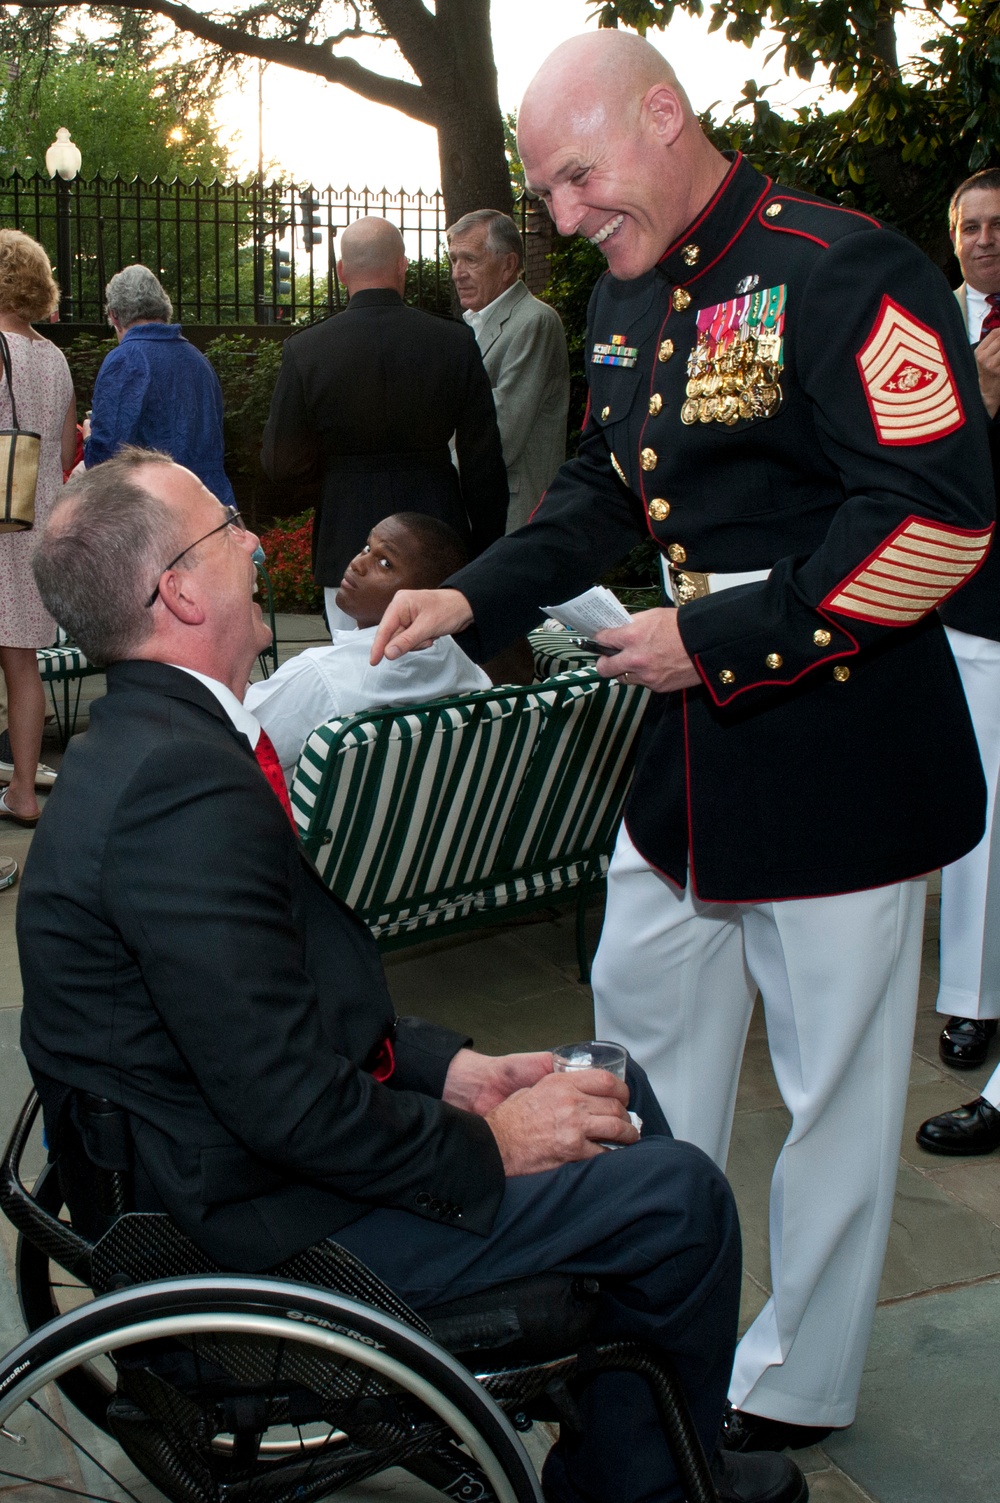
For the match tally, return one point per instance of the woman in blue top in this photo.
(156, 390)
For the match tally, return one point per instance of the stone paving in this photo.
(926, 1430)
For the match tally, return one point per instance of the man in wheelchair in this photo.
(182, 959)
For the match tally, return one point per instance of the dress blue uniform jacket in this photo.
(828, 748)
(156, 390)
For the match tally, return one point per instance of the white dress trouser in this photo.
(675, 980)
(970, 887)
(337, 620)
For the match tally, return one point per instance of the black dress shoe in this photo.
(964, 1041)
(754, 1432)
(973, 1128)
(759, 1477)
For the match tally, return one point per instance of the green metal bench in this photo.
(467, 811)
(64, 664)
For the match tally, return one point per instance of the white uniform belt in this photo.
(683, 585)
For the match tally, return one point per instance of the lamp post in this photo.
(62, 161)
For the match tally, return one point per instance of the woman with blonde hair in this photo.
(46, 404)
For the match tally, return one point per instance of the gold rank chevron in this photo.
(915, 569)
(908, 383)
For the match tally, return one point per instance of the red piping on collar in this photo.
(706, 210)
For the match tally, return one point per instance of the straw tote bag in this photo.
(19, 451)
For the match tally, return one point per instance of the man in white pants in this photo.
(970, 889)
(781, 396)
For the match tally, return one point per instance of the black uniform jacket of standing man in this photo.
(789, 389)
(208, 983)
(367, 402)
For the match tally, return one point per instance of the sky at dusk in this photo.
(319, 132)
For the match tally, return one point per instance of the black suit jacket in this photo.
(367, 403)
(182, 957)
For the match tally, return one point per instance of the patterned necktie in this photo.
(267, 761)
(992, 319)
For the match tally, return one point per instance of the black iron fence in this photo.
(234, 253)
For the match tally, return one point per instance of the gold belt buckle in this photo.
(687, 584)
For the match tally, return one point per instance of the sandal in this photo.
(6, 812)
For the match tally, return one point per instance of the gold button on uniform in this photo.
(822, 637)
(666, 350)
(690, 254)
(774, 660)
(677, 553)
(841, 673)
(681, 299)
(727, 676)
(605, 414)
(772, 211)
(648, 459)
(655, 403)
(659, 509)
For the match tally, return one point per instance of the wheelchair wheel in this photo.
(46, 1291)
(244, 1390)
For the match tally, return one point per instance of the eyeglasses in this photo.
(233, 519)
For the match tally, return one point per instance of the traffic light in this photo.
(310, 215)
(282, 273)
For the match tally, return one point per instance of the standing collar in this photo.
(376, 297)
(710, 234)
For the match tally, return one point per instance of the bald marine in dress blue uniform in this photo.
(783, 399)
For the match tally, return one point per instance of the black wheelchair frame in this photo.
(281, 1388)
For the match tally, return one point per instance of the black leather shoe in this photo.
(973, 1128)
(760, 1477)
(754, 1432)
(965, 1041)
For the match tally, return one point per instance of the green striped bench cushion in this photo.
(554, 651)
(418, 800)
(575, 789)
(56, 663)
(536, 885)
(417, 817)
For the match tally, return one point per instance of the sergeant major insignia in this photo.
(734, 368)
(615, 353)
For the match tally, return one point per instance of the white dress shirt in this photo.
(476, 317)
(976, 310)
(325, 682)
(238, 714)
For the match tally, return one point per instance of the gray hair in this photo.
(135, 294)
(502, 234)
(100, 554)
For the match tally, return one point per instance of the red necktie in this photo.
(267, 761)
(992, 319)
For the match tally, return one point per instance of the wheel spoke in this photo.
(79, 1446)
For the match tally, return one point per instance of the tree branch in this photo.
(307, 57)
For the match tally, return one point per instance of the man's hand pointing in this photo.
(416, 618)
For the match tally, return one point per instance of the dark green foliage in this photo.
(84, 356)
(247, 371)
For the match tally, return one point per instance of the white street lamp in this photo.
(62, 161)
(63, 156)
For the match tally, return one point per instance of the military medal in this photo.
(735, 366)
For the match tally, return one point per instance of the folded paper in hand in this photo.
(594, 610)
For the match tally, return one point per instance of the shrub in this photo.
(288, 547)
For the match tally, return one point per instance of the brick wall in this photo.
(539, 235)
